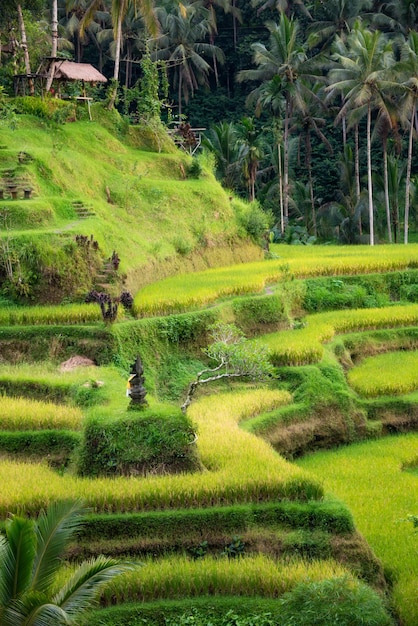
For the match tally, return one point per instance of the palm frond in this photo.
(18, 555)
(53, 531)
(86, 584)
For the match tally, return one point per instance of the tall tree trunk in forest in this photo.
(386, 186)
(118, 47)
(113, 95)
(54, 46)
(369, 174)
(279, 167)
(179, 92)
(408, 174)
(24, 45)
(286, 163)
(357, 171)
(234, 24)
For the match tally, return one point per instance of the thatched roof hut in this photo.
(68, 70)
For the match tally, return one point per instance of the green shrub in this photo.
(333, 294)
(326, 516)
(253, 220)
(44, 443)
(341, 601)
(409, 293)
(46, 108)
(194, 170)
(152, 440)
(216, 610)
(252, 312)
(308, 545)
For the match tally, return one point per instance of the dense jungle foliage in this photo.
(307, 106)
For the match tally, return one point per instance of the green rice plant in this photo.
(183, 292)
(38, 382)
(370, 479)
(336, 601)
(24, 414)
(41, 343)
(304, 345)
(179, 577)
(392, 373)
(342, 599)
(48, 444)
(239, 468)
(215, 610)
(325, 515)
(63, 314)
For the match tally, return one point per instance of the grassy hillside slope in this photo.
(90, 178)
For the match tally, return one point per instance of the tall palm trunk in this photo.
(357, 162)
(357, 171)
(386, 186)
(24, 45)
(116, 67)
(234, 24)
(179, 90)
(54, 46)
(286, 163)
(118, 47)
(279, 164)
(369, 173)
(408, 174)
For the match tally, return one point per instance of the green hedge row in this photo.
(158, 613)
(328, 516)
(36, 343)
(363, 291)
(40, 443)
(339, 601)
(50, 390)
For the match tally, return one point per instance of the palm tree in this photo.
(360, 77)
(228, 6)
(284, 61)
(269, 97)
(409, 67)
(182, 46)
(394, 188)
(82, 35)
(252, 143)
(400, 16)
(119, 9)
(307, 121)
(221, 141)
(334, 17)
(343, 216)
(30, 558)
(284, 6)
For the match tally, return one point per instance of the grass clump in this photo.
(153, 440)
(335, 601)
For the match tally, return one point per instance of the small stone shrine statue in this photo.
(135, 388)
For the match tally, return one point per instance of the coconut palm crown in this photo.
(30, 568)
